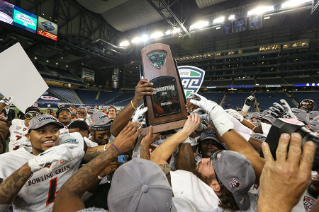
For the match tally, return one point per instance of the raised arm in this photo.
(166, 149)
(69, 196)
(143, 88)
(146, 143)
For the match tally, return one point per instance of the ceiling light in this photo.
(47, 61)
(35, 58)
(176, 30)
(267, 17)
(168, 32)
(57, 63)
(66, 66)
(157, 35)
(62, 58)
(144, 38)
(199, 25)
(217, 27)
(124, 43)
(231, 17)
(219, 20)
(260, 10)
(136, 40)
(293, 3)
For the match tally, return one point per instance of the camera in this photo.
(290, 126)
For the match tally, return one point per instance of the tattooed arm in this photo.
(185, 159)
(12, 185)
(69, 196)
(92, 152)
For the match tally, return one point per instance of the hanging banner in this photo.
(227, 28)
(255, 22)
(47, 26)
(49, 98)
(88, 75)
(240, 25)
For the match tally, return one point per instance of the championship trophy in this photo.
(166, 107)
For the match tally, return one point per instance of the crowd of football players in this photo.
(82, 159)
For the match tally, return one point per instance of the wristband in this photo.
(245, 108)
(133, 105)
(117, 149)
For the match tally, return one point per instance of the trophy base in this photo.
(164, 127)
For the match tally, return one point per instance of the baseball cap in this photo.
(81, 107)
(209, 135)
(32, 108)
(91, 111)
(315, 118)
(269, 118)
(41, 120)
(313, 114)
(255, 115)
(236, 174)
(100, 121)
(301, 115)
(61, 109)
(314, 126)
(140, 185)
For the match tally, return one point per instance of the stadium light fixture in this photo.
(47, 61)
(125, 43)
(168, 32)
(66, 66)
(261, 10)
(35, 58)
(294, 3)
(176, 30)
(144, 38)
(231, 17)
(156, 35)
(219, 20)
(199, 25)
(136, 40)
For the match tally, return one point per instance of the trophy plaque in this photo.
(166, 107)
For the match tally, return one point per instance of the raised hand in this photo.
(143, 88)
(202, 102)
(138, 113)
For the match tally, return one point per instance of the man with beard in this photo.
(100, 128)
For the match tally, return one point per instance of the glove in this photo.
(138, 113)
(6, 101)
(288, 114)
(250, 100)
(57, 153)
(204, 103)
(235, 114)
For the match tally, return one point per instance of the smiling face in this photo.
(112, 113)
(44, 138)
(65, 117)
(209, 147)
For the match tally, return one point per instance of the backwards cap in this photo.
(236, 174)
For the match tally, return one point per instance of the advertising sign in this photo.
(47, 26)
(49, 98)
(88, 75)
(192, 79)
(6, 12)
(25, 19)
(47, 34)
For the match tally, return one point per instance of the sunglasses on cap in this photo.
(31, 114)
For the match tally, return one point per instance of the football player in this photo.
(19, 129)
(38, 175)
(64, 116)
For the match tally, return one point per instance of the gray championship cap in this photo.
(209, 135)
(315, 118)
(255, 115)
(92, 111)
(258, 136)
(269, 118)
(235, 172)
(41, 120)
(313, 114)
(301, 115)
(81, 107)
(314, 126)
(100, 121)
(140, 185)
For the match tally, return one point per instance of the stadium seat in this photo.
(66, 93)
(266, 100)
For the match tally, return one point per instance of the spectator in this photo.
(8, 113)
(112, 112)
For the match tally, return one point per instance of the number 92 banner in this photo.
(191, 78)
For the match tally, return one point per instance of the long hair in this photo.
(226, 198)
